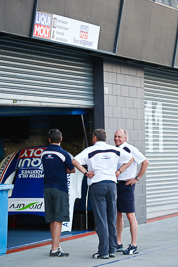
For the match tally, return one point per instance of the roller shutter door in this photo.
(41, 75)
(161, 129)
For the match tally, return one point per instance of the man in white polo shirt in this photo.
(126, 189)
(102, 161)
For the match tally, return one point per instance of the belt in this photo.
(121, 182)
(104, 181)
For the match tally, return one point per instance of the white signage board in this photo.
(65, 30)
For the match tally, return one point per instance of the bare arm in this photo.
(143, 168)
(124, 167)
(89, 174)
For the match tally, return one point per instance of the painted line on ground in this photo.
(45, 243)
(162, 217)
(136, 255)
(71, 237)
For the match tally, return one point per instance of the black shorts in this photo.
(56, 205)
(125, 198)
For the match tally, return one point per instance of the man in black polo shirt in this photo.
(56, 164)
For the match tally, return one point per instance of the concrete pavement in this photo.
(157, 245)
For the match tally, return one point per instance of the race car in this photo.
(24, 169)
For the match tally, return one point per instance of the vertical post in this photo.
(33, 17)
(98, 80)
(118, 26)
(84, 130)
(175, 50)
(86, 202)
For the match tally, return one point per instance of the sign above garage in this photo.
(65, 30)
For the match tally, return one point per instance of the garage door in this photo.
(41, 75)
(161, 128)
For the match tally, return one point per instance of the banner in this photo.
(65, 30)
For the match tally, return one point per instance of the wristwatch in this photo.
(136, 178)
(85, 173)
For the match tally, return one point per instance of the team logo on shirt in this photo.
(49, 156)
(106, 157)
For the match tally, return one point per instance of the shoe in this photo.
(120, 248)
(112, 255)
(98, 256)
(131, 250)
(58, 253)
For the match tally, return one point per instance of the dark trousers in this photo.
(103, 201)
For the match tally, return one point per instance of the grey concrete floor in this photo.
(157, 245)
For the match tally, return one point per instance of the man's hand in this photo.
(90, 174)
(70, 171)
(131, 181)
(117, 173)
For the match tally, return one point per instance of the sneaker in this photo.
(120, 248)
(131, 250)
(112, 255)
(98, 256)
(58, 253)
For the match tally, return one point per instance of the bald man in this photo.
(126, 191)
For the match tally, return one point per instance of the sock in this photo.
(53, 251)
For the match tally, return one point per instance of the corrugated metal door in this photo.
(161, 129)
(39, 75)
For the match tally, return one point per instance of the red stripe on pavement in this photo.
(162, 217)
(78, 236)
(49, 242)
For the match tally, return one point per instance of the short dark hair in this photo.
(100, 134)
(55, 136)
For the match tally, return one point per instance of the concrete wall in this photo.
(16, 16)
(124, 107)
(148, 32)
